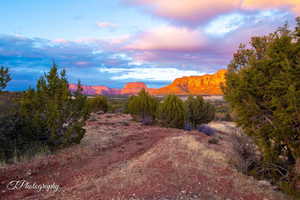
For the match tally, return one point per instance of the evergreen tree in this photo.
(99, 103)
(263, 89)
(171, 112)
(198, 112)
(143, 107)
(52, 114)
(4, 78)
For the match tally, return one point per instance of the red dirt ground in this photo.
(121, 159)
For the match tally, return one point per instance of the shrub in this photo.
(171, 112)
(143, 107)
(198, 112)
(52, 114)
(206, 130)
(12, 141)
(213, 141)
(99, 103)
(263, 89)
(4, 78)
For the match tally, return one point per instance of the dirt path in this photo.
(121, 159)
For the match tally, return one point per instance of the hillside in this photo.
(209, 84)
(121, 159)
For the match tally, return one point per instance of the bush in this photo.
(12, 139)
(263, 89)
(171, 112)
(99, 103)
(4, 78)
(143, 107)
(213, 141)
(198, 112)
(52, 114)
(206, 130)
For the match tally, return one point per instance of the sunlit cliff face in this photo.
(206, 84)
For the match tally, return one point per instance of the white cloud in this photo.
(225, 24)
(149, 74)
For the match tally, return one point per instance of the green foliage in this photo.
(263, 89)
(198, 112)
(143, 107)
(118, 105)
(52, 114)
(99, 103)
(171, 112)
(4, 78)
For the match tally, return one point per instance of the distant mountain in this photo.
(209, 84)
(96, 90)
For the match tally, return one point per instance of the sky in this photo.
(112, 42)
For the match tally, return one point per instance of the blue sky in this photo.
(118, 41)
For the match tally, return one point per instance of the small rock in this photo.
(100, 112)
(28, 173)
(264, 183)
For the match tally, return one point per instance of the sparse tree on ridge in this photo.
(198, 112)
(143, 107)
(171, 112)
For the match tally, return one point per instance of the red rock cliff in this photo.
(133, 88)
(206, 84)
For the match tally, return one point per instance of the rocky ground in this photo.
(121, 159)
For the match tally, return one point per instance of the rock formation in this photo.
(209, 84)
(133, 88)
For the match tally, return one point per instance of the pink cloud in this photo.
(168, 46)
(168, 38)
(293, 5)
(81, 63)
(119, 39)
(195, 12)
(106, 25)
(191, 11)
(60, 40)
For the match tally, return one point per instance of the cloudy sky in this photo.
(111, 42)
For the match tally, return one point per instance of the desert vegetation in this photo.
(143, 107)
(98, 104)
(46, 118)
(170, 111)
(198, 111)
(263, 90)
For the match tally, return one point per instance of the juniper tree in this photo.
(263, 89)
(52, 113)
(198, 112)
(99, 103)
(171, 112)
(143, 107)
